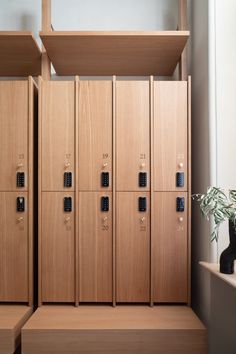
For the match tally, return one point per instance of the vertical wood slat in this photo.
(183, 26)
(76, 191)
(46, 26)
(114, 191)
(40, 192)
(30, 185)
(189, 190)
(151, 93)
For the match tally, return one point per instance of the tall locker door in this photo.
(170, 136)
(57, 247)
(58, 127)
(95, 247)
(133, 247)
(95, 135)
(132, 135)
(14, 247)
(170, 247)
(13, 133)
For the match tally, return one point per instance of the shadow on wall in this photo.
(222, 326)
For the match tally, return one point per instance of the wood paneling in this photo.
(58, 129)
(95, 133)
(124, 329)
(13, 133)
(132, 248)
(170, 134)
(132, 134)
(125, 53)
(13, 249)
(19, 54)
(57, 249)
(170, 248)
(95, 248)
(12, 319)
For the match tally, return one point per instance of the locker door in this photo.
(170, 247)
(58, 256)
(95, 247)
(95, 135)
(13, 248)
(132, 134)
(170, 135)
(13, 133)
(133, 248)
(58, 116)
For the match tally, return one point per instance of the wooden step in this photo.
(123, 329)
(12, 319)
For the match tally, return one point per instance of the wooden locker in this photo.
(95, 134)
(132, 134)
(170, 135)
(57, 248)
(14, 138)
(95, 247)
(14, 245)
(57, 101)
(132, 248)
(170, 248)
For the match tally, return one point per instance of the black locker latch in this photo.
(105, 179)
(105, 204)
(20, 204)
(67, 179)
(180, 179)
(180, 204)
(67, 204)
(20, 179)
(142, 204)
(142, 177)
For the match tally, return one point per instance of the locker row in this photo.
(87, 127)
(96, 180)
(136, 250)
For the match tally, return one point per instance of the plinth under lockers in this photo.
(114, 191)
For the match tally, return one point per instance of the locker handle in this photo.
(181, 219)
(20, 219)
(67, 219)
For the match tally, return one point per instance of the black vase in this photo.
(229, 254)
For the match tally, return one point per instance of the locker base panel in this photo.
(12, 319)
(123, 329)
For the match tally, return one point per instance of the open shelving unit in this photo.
(115, 53)
(20, 54)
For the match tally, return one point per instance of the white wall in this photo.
(214, 146)
(90, 14)
(225, 99)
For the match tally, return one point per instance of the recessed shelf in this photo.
(214, 269)
(19, 54)
(114, 53)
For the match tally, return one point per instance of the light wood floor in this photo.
(123, 329)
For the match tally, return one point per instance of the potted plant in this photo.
(221, 206)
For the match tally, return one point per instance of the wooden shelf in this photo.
(115, 53)
(104, 329)
(214, 269)
(12, 319)
(19, 54)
